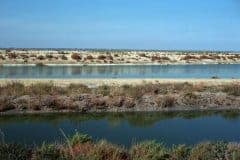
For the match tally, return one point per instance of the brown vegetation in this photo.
(189, 57)
(12, 55)
(41, 57)
(63, 57)
(118, 57)
(82, 147)
(76, 56)
(102, 57)
(79, 97)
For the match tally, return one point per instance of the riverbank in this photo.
(87, 57)
(95, 82)
(81, 146)
(37, 96)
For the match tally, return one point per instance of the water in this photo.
(125, 128)
(122, 71)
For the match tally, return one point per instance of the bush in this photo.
(106, 151)
(41, 57)
(12, 55)
(40, 88)
(12, 88)
(102, 57)
(166, 101)
(13, 152)
(135, 92)
(76, 56)
(89, 57)
(6, 105)
(232, 89)
(49, 56)
(189, 57)
(207, 151)
(149, 150)
(78, 88)
(63, 57)
(79, 138)
(48, 152)
(142, 55)
(2, 57)
(163, 58)
(110, 57)
(104, 90)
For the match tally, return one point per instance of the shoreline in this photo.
(54, 57)
(109, 64)
(13, 113)
(119, 82)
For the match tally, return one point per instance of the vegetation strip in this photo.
(47, 97)
(42, 57)
(82, 147)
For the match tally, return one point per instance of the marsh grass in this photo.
(81, 146)
(233, 89)
(35, 96)
(149, 150)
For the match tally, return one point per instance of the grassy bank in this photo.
(48, 97)
(82, 147)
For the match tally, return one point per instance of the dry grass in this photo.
(38, 96)
(233, 89)
(84, 148)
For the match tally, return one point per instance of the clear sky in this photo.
(130, 24)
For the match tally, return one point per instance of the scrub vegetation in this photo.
(145, 97)
(25, 56)
(82, 147)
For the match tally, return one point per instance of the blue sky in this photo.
(132, 24)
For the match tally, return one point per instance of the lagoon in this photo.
(226, 71)
(125, 128)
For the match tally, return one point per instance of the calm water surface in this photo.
(125, 128)
(122, 71)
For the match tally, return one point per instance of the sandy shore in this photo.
(99, 82)
(87, 57)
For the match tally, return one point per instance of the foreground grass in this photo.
(82, 147)
(79, 97)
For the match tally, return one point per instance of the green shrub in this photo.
(48, 152)
(79, 138)
(106, 151)
(149, 150)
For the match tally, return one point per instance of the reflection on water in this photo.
(125, 128)
(122, 71)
